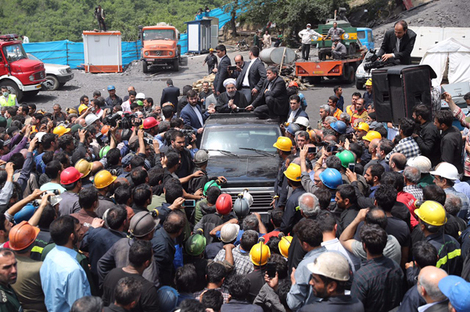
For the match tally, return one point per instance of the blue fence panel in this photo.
(130, 51)
(76, 55)
(54, 52)
(183, 42)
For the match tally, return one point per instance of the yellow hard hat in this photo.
(84, 167)
(103, 179)
(71, 110)
(284, 245)
(372, 135)
(363, 126)
(432, 213)
(81, 108)
(259, 254)
(369, 82)
(61, 130)
(293, 172)
(283, 143)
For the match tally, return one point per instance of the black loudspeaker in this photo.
(398, 89)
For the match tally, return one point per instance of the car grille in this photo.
(40, 75)
(69, 70)
(159, 53)
(261, 198)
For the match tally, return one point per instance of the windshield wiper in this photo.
(257, 151)
(222, 152)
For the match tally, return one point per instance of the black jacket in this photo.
(429, 141)
(170, 94)
(222, 102)
(256, 75)
(451, 147)
(222, 74)
(276, 97)
(406, 46)
(164, 254)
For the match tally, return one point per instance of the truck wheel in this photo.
(176, 65)
(348, 73)
(359, 85)
(145, 68)
(14, 89)
(51, 83)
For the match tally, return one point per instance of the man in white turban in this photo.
(231, 100)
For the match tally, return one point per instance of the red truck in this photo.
(23, 76)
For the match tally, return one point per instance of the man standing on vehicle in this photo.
(252, 77)
(397, 44)
(112, 100)
(335, 31)
(99, 13)
(7, 99)
(222, 70)
(306, 35)
(211, 61)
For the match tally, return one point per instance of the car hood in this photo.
(55, 66)
(243, 170)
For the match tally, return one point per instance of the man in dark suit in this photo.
(295, 109)
(222, 70)
(252, 77)
(397, 44)
(272, 102)
(170, 93)
(192, 114)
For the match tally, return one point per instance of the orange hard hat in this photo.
(293, 84)
(22, 235)
(105, 129)
(150, 122)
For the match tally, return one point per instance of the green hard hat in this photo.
(195, 244)
(346, 158)
(208, 185)
(140, 103)
(104, 151)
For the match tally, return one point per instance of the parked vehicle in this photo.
(242, 45)
(366, 37)
(23, 76)
(56, 75)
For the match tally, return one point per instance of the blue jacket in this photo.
(190, 118)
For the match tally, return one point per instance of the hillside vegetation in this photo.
(50, 20)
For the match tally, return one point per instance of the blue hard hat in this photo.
(25, 213)
(111, 87)
(167, 298)
(293, 128)
(339, 126)
(331, 178)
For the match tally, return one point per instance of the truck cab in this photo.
(160, 47)
(20, 74)
(366, 37)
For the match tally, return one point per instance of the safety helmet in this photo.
(247, 196)
(229, 232)
(25, 213)
(211, 50)
(241, 206)
(111, 87)
(369, 82)
(22, 235)
(150, 122)
(195, 244)
(70, 175)
(421, 162)
(363, 126)
(104, 151)
(81, 108)
(293, 128)
(331, 178)
(446, 170)
(293, 172)
(339, 126)
(302, 121)
(224, 204)
(371, 135)
(332, 265)
(293, 84)
(90, 119)
(140, 96)
(283, 143)
(346, 158)
(167, 298)
(260, 253)
(142, 223)
(61, 130)
(71, 110)
(432, 213)
(140, 103)
(105, 129)
(284, 245)
(201, 157)
(208, 185)
(84, 167)
(103, 179)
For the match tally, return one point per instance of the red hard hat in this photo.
(223, 205)
(150, 122)
(70, 175)
(293, 84)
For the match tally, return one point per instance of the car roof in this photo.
(237, 119)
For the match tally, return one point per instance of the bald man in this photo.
(428, 288)
(373, 145)
(397, 162)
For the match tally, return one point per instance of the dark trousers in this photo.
(102, 24)
(267, 110)
(305, 51)
(323, 53)
(247, 93)
(210, 68)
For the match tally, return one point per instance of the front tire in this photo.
(51, 83)
(176, 65)
(145, 68)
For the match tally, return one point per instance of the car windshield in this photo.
(253, 142)
(159, 34)
(32, 57)
(361, 34)
(14, 52)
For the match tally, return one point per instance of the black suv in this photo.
(241, 149)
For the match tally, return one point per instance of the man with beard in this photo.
(231, 100)
(8, 275)
(192, 114)
(428, 137)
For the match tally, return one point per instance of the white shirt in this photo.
(246, 81)
(292, 116)
(126, 106)
(426, 306)
(307, 35)
(335, 245)
(25, 39)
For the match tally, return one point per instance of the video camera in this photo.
(372, 60)
(127, 121)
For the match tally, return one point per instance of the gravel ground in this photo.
(445, 13)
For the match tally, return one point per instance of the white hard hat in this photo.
(140, 96)
(90, 119)
(420, 162)
(229, 232)
(446, 170)
(331, 264)
(302, 121)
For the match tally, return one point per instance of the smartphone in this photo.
(232, 68)
(271, 269)
(189, 203)
(312, 149)
(352, 167)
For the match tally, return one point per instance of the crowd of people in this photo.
(366, 216)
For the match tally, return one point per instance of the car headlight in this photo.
(346, 36)
(63, 71)
(170, 53)
(360, 70)
(31, 78)
(146, 53)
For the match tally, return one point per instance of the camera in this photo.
(188, 134)
(372, 60)
(112, 120)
